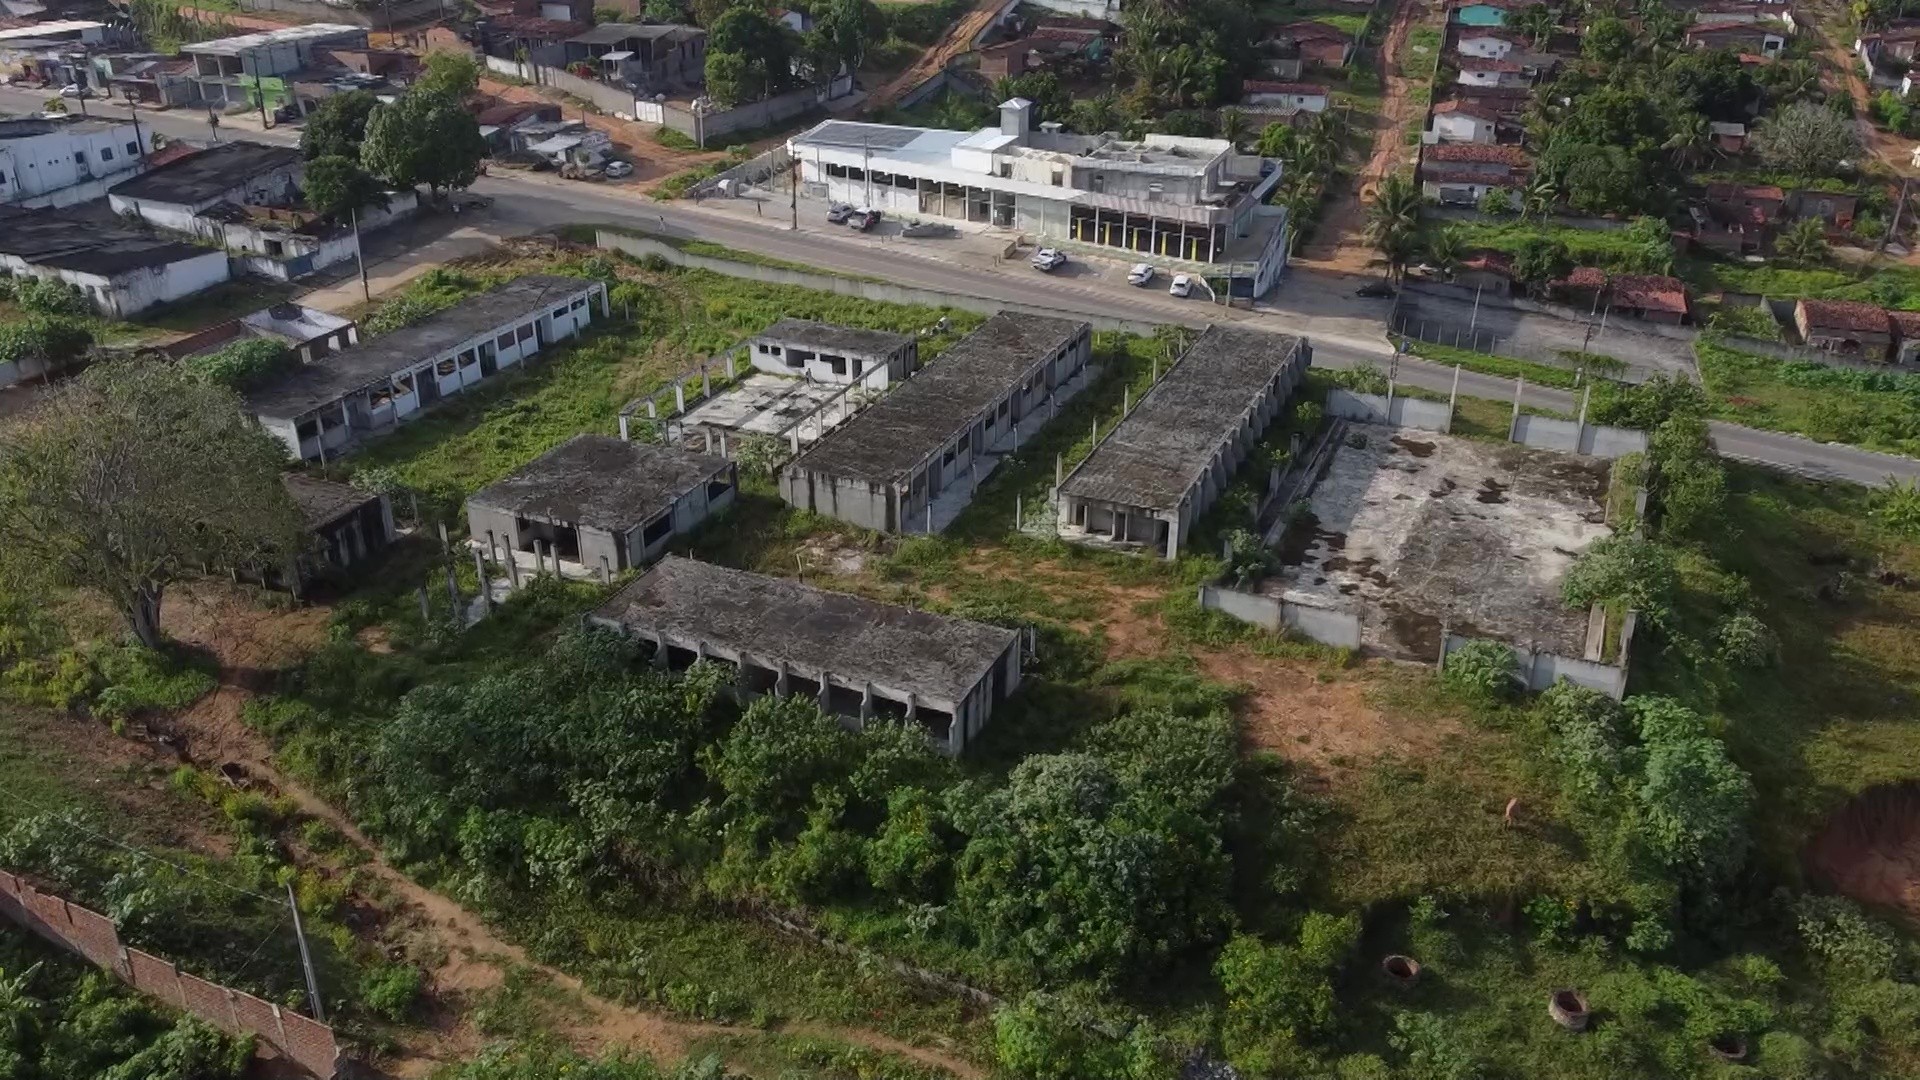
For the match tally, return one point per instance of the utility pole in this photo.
(1475, 319)
(360, 256)
(133, 107)
(306, 959)
(260, 87)
(793, 192)
(1898, 209)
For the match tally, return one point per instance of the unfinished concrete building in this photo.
(909, 463)
(597, 505)
(859, 658)
(823, 352)
(1167, 462)
(349, 525)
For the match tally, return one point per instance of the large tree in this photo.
(752, 54)
(450, 72)
(426, 137)
(336, 127)
(1393, 221)
(133, 475)
(1807, 139)
(338, 186)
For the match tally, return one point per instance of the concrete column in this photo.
(793, 437)
(826, 689)
(513, 570)
(679, 397)
(730, 359)
(1173, 536)
(606, 572)
(480, 571)
(659, 651)
(1059, 469)
(866, 702)
(624, 435)
(708, 432)
(913, 705)
(706, 382)
(453, 593)
(653, 410)
(929, 510)
(723, 444)
(780, 678)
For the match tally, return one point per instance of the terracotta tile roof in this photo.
(535, 26)
(1750, 60)
(1845, 315)
(1467, 108)
(1906, 322)
(1584, 277)
(1651, 292)
(1255, 86)
(1459, 153)
(1725, 192)
(1492, 262)
(170, 153)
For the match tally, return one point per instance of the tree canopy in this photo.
(336, 127)
(133, 474)
(425, 137)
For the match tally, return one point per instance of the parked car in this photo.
(864, 219)
(927, 228)
(75, 90)
(1181, 286)
(838, 213)
(1049, 259)
(1375, 290)
(618, 169)
(1141, 274)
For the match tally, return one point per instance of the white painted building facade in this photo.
(41, 157)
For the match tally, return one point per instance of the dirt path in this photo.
(955, 42)
(249, 644)
(1336, 244)
(1838, 72)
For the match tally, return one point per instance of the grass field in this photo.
(1879, 411)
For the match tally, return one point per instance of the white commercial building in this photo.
(1190, 200)
(227, 70)
(40, 159)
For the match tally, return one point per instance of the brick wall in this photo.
(307, 1044)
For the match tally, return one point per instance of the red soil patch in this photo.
(1870, 850)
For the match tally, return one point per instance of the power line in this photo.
(137, 853)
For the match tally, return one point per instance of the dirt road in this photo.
(248, 643)
(1838, 72)
(1336, 244)
(955, 42)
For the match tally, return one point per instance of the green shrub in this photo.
(45, 296)
(138, 679)
(244, 364)
(1481, 668)
(674, 140)
(391, 991)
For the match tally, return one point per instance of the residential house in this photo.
(1461, 174)
(497, 121)
(122, 270)
(1847, 327)
(392, 64)
(160, 82)
(1489, 44)
(1458, 121)
(1906, 332)
(1007, 60)
(650, 59)
(1896, 43)
(1490, 272)
(597, 505)
(308, 333)
(320, 409)
(1507, 102)
(238, 71)
(1284, 96)
(1175, 197)
(1317, 44)
(510, 36)
(1728, 138)
(859, 659)
(1764, 39)
(55, 161)
(573, 11)
(1834, 209)
(1479, 71)
(1651, 298)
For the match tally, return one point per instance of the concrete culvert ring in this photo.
(1568, 1009)
(1401, 970)
(1869, 849)
(1729, 1047)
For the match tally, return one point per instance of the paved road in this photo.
(529, 204)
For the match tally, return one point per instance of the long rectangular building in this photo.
(860, 658)
(1166, 463)
(321, 407)
(884, 468)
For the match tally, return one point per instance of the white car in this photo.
(618, 169)
(1141, 274)
(1181, 286)
(1049, 259)
(75, 90)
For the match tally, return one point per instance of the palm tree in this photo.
(1393, 221)
(1234, 126)
(1281, 141)
(1804, 242)
(1660, 26)
(1691, 142)
(1794, 80)
(1538, 197)
(1536, 23)
(1445, 249)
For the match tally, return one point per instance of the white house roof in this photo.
(39, 30)
(557, 144)
(291, 35)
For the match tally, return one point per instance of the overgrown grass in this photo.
(1876, 410)
(1595, 247)
(1505, 367)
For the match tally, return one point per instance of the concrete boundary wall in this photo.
(1576, 437)
(1340, 629)
(1392, 411)
(308, 1044)
(877, 291)
(1539, 669)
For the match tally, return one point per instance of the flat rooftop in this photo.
(601, 482)
(68, 239)
(208, 174)
(930, 410)
(323, 502)
(326, 381)
(830, 337)
(1415, 531)
(1156, 456)
(775, 620)
(763, 404)
(291, 35)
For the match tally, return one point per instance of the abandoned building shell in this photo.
(884, 468)
(861, 659)
(600, 502)
(1168, 461)
(824, 352)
